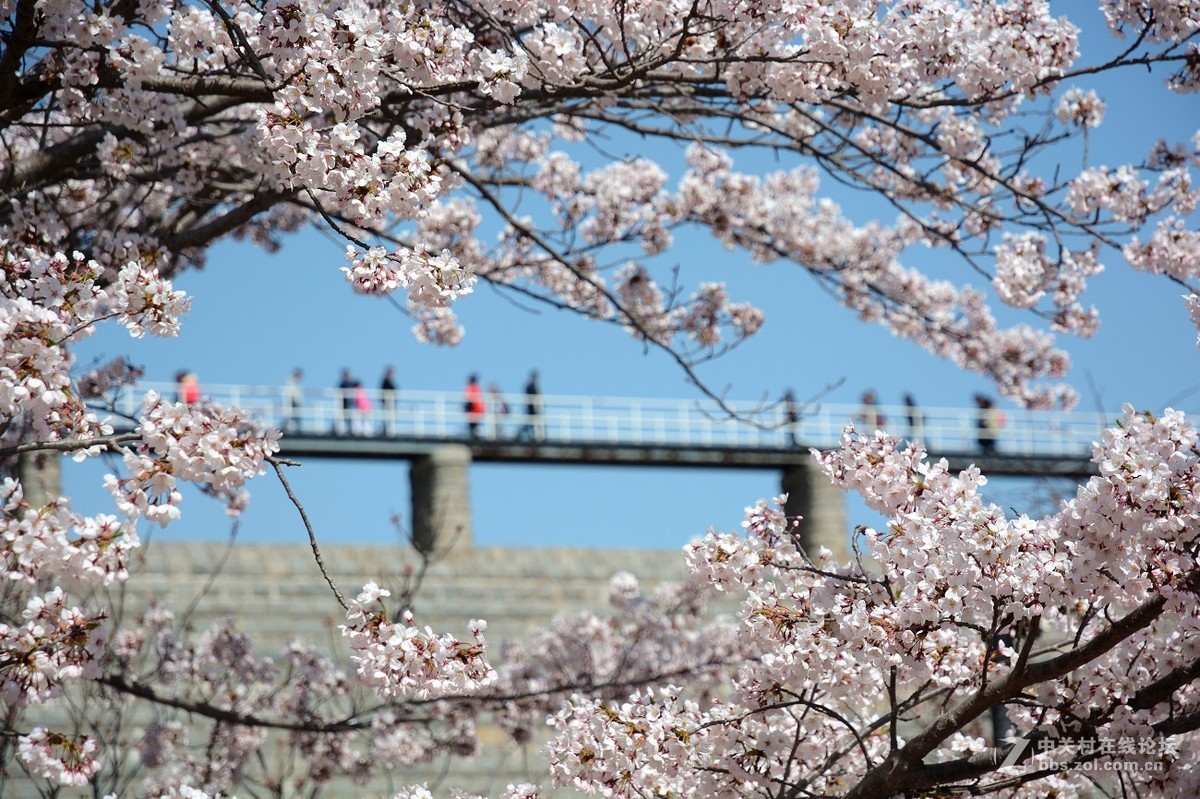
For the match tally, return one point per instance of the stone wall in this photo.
(278, 594)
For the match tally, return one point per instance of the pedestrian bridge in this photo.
(326, 422)
(431, 430)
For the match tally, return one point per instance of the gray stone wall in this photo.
(278, 594)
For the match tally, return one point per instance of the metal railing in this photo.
(441, 415)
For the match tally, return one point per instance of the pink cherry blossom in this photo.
(561, 151)
(57, 758)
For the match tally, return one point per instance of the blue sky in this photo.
(256, 316)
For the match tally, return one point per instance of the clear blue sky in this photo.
(256, 316)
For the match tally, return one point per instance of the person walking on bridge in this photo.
(532, 428)
(293, 399)
(791, 417)
(473, 405)
(187, 387)
(499, 408)
(916, 420)
(869, 415)
(345, 406)
(987, 424)
(387, 397)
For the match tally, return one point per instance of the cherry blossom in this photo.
(962, 592)
(57, 643)
(431, 280)
(398, 659)
(1172, 249)
(215, 448)
(561, 151)
(370, 119)
(1193, 304)
(1079, 107)
(58, 758)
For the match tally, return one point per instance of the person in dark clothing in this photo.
(387, 395)
(346, 388)
(987, 424)
(916, 421)
(791, 416)
(532, 429)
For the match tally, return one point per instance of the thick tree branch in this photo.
(901, 769)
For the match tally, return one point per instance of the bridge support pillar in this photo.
(823, 506)
(40, 474)
(441, 499)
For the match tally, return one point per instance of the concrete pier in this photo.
(441, 499)
(823, 508)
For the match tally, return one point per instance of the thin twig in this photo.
(277, 464)
(212, 575)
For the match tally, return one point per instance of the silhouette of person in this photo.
(361, 421)
(293, 399)
(387, 395)
(987, 424)
(916, 421)
(346, 407)
(532, 428)
(499, 409)
(473, 405)
(869, 414)
(791, 416)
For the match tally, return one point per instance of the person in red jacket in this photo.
(188, 389)
(473, 405)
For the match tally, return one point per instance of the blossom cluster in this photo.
(377, 120)
(1193, 304)
(215, 671)
(649, 637)
(144, 133)
(1161, 19)
(48, 301)
(641, 747)
(214, 674)
(431, 280)
(398, 659)
(56, 643)
(58, 758)
(218, 449)
(1079, 107)
(781, 215)
(958, 593)
(52, 543)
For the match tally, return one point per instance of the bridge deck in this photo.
(637, 431)
(602, 454)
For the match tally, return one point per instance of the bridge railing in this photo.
(441, 415)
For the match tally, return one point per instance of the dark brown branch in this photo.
(1160, 690)
(902, 770)
(49, 164)
(278, 464)
(71, 444)
(202, 235)
(210, 711)
(16, 45)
